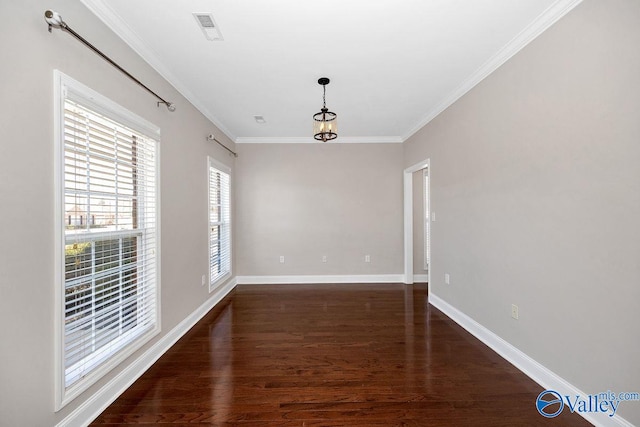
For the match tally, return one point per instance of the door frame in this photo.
(408, 219)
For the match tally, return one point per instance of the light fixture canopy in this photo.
(325, 123)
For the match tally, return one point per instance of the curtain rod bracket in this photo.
(54, 19)
(170, 106)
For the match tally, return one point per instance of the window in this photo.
(219, 224)
(427, 223)
(107, 217)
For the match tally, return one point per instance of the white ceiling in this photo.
(393, 64)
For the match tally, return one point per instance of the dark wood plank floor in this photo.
(330, 355)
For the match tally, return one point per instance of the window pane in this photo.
(219, 218)
(77, 260)
(109, 219)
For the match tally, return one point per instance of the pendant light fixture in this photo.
(325, 123)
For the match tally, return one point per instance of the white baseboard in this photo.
(359, 278)
(534, 370)
(84, 414)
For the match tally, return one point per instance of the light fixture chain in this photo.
(324, 94)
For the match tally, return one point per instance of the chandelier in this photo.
(325, 123)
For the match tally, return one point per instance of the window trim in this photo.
(213, 163)
(63, 87)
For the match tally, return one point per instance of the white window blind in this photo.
(109, 218)
(219, 224)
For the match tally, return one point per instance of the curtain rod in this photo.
(55, 20)
(211, 137)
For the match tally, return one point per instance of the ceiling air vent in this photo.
(208, 26)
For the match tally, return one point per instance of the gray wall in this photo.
(536, 186)
(26, 187)
(304, 201)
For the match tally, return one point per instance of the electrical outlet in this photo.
(324, 258)
(367, 258)
(447, 279)
(204, 279)
(281, 259)
(514, 311)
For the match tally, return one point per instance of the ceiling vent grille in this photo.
(208, 26)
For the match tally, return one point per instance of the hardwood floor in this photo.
(330, 355)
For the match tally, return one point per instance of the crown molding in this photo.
(116, 24)
(310, 140)
(547, 18)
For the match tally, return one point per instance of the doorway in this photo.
(408, 219)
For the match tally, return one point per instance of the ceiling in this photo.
(394, 64)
